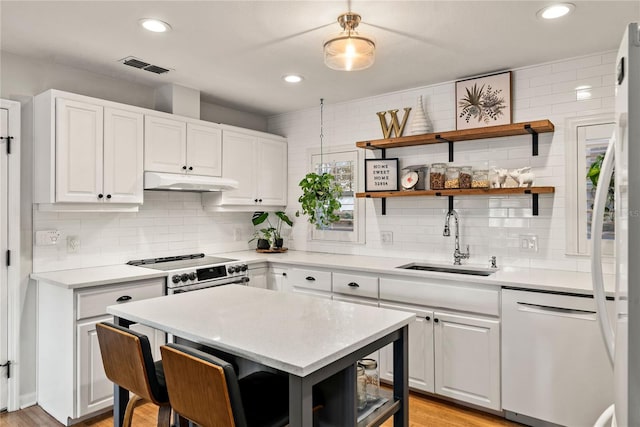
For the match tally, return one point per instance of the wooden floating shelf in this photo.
(525, 128)
(465, 192)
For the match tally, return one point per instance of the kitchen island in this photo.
(310, 340)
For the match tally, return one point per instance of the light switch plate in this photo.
(73, 244)
(386, 237)
(528, 243)
(47, 237)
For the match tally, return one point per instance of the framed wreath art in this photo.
(483, 101)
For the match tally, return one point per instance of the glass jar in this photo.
(480, 179)
(372, 377)
(361, 383)
(466, 174)
(437, 176)
(452, 177)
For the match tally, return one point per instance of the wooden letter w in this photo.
(397, 128)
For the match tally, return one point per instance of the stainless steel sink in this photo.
(473, 271)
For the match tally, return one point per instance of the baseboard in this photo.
(528, 421)
(27, 400)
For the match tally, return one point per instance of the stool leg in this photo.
(164, 416)
(128, 413)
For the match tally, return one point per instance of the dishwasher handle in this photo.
(557, 311)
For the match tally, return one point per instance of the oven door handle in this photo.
(240, 280)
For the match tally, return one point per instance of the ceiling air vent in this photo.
(134, 62)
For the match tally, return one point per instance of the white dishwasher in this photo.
(554, 365)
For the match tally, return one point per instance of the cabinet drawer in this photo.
(356, 285)
(310, 279)
(94, 302)
(430, 293)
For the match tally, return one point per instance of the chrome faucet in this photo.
(457, 255)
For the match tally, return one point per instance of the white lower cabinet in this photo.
(72, 384)
(312, 282)
(277, 279)
(467, 358)
(258, 277)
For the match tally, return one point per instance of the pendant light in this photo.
(349, 50)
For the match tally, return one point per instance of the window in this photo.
(344, 165)
(586, 139)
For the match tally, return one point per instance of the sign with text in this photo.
(381, 175)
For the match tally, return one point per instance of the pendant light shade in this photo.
(349, 50)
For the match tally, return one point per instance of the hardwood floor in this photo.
(423, 412)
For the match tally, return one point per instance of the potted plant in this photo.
(282, 219)
(594, 175)
(263, 235)
(319, 200)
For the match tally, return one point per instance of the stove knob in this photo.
(175, 279)
(243, 267)
(232, 269)
(184, 277)
(192, 276)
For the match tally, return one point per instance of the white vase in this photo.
(419, 121)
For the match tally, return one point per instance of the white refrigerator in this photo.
(622, 338)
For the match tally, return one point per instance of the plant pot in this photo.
(263, 244)
(277, 243)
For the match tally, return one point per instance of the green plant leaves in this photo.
(259, 217)
(319, 200)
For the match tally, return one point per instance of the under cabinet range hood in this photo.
(184, 182)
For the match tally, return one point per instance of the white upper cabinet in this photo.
(88, 152)
(177, 146)
(259, 163)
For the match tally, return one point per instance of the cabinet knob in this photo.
(353, 285)
(310, 278)
(436, 320)
(100, 196)
(284, 274)
(190, 168)
(124, 298)
(108, 196)
(255, 200)
(260, 200)
(427, 318)
(184, 168)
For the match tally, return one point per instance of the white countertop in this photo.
(293, 333)
(96, 276)
(524, 278)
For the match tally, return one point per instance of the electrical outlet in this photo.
(237, 234)
(47, 237)
(386, 237)
(528, 243)
(73, 244)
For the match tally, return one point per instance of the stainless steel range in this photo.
(186, 273)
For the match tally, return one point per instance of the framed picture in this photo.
(380, 175)
(483, 101)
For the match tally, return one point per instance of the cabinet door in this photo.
(258, 277)
(79, 139)
(165, 145)
(95, 391)
(277, 279)
(420, 350)
(123, 151)
(467, 359)
(271, 169)
(204, 150)
(238, 163)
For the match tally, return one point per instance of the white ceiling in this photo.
(235, 52)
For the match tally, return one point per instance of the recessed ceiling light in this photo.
(292, 78)
(556, 10)
(155, 25)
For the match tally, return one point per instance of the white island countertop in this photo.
(97, 276)
(293, 333)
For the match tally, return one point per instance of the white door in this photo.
(79, 139)
(271, 169)
(165, 145)
(420, 350)
(123, 161)
(95, 391)
(4, 245)
(467, 359)
(204, 150)
(238, 163)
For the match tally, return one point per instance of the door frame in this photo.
(13, 285)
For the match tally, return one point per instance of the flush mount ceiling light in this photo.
(556, 10)
(349, 50)
(155, 25)
(292, 78)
